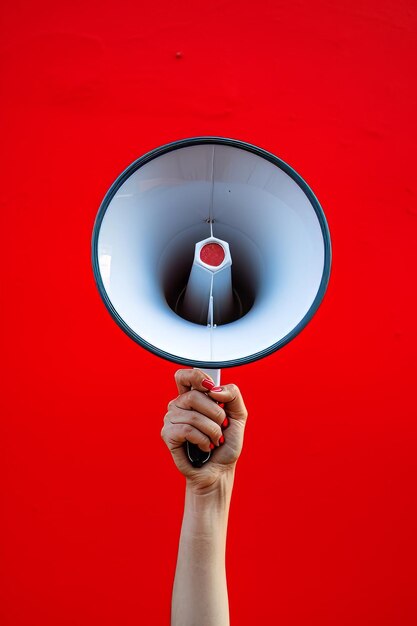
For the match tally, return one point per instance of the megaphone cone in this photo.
(159, 240)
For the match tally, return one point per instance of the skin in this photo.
(200, 587)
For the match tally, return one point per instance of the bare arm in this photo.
(200, 589)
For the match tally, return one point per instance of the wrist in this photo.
(214, 496)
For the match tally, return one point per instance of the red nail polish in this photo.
(212, 446)
(216, 389)
(221, 440)
(221, 405)
(207, 384)
(225, 423)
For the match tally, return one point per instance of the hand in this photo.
(196, 417)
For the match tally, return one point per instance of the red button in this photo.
(212, 254)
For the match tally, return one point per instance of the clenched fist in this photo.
(213, 419)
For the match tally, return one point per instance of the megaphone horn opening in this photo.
(144, 245)
(205, 282)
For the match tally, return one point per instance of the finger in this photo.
(199, 421)
(193, 379)
(233, 402)
(174, 436)
(200, 402)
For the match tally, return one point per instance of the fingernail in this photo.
(221, 405)
(212, 446)
(225, 423)
(221, 440)
(216, 389)
(207, 384)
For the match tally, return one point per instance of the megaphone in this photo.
(212, 253)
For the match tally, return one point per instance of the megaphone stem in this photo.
(214, 374)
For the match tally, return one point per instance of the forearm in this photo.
(200, 588)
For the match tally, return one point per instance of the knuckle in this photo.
(216, 431)
(193, 395)
(198, 376)
(187, 430)
(174, 405)
(234, 389)
(220, 413)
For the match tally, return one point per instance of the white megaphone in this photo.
(212, 253)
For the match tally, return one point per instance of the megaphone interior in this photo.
(211, 252)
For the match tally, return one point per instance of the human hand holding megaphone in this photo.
(213, 418)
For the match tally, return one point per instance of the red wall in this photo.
(323, 531)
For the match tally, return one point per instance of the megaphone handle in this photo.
(196, 456)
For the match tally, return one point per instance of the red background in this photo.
(323, 521)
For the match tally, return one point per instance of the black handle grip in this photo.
(196, 456)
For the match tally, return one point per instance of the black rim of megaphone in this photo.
(182, 143)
